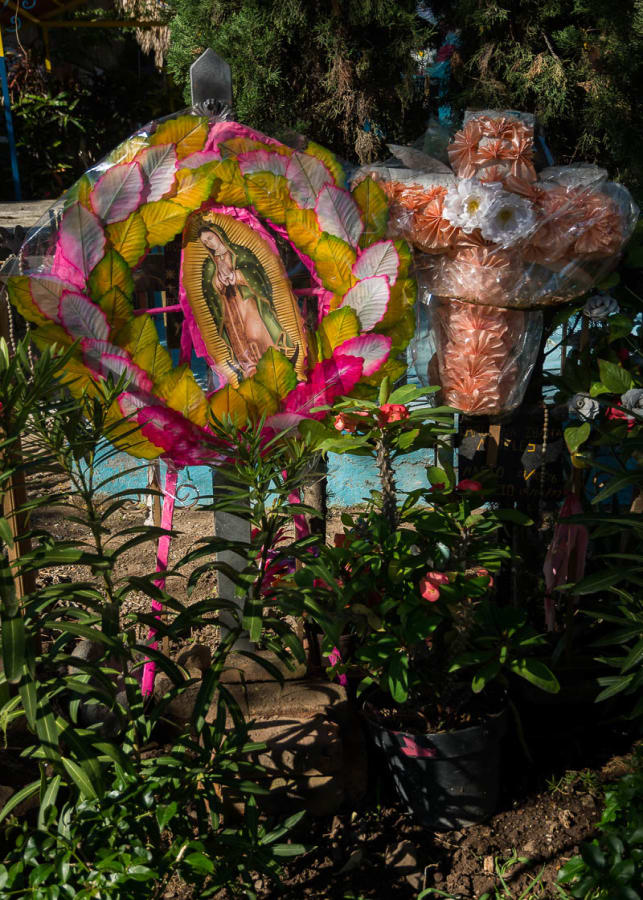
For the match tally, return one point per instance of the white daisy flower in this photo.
(468, 202)
(508, 219)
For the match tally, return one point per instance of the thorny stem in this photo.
(387, 480)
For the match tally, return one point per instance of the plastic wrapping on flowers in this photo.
(235, 199)
(493, 232)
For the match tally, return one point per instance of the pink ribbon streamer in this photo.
(162, 557)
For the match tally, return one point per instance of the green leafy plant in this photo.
(406, 585)
(611, 866)
(114, 817)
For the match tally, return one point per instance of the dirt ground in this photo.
(547, 807)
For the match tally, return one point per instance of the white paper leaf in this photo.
(380, 258)
(338, 214)
(159, 168)
(369, 298)
(118, 192)
(262, 161)
(81, 318)
(81, 240)
(307, 175)
(372, 349)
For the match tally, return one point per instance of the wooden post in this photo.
(14, 495)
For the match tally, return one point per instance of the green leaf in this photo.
(200, 862)
(16, 799)
(436, 475)
(48, 799)
(288, 849)
(165, 814)
(537, 673)
(80, 778)
(397, 677)
(615, 378)
(577, 435)
(599, 581)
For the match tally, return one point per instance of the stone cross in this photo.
(211, 86)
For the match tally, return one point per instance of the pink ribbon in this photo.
(162, 557)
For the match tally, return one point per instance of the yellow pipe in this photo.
(103, 23)
(45, 40)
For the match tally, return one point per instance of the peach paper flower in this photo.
(463, 149)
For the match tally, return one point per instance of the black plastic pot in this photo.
(447, 780)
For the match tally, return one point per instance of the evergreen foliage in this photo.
(322, 67)
(578, 64)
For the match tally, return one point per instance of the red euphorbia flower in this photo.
(616, 414)
(468, 485)
(392, 412)
(429, 585)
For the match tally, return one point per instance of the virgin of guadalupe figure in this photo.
(240, 298)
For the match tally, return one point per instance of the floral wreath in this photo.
(81, 288)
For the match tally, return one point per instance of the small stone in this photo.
(353, 862)
(487, 865)
(530, 848)
(198, 656)
(404, 859)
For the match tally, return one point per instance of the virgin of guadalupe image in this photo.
(239, 296)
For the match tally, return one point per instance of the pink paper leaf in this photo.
(372, 349)
(380, 258)
(282, 422)
(262, 161)
(338, 214)
(81, 243)
(159, 168)
(46, 291)
(369, 298)
(200, 158)
(307, 176)
(183, 442)
(81, 318)
(329, 379)
(118, 192)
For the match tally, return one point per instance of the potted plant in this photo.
(410, 580)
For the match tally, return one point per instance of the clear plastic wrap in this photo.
(495, 233)
(482, 356)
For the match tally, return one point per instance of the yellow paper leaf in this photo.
(117, 307)
(337, 327)
(187, 133)
(229, 402)
(373, 203)
(111, 272)
(79, 193)
(124, 434)
(260, 400)
(126, 151)
(303, 230)
(138, 334)
(129, 238)
(155, 360)
(403, 295)
(187, 398)
(163, 221)
(329, 160)
(406, 258)
(334, 260)
(50, 334)
(192, 189)
(19, 288)
(269, 195)
(276, 373)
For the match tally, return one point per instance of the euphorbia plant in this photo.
(410, 578)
